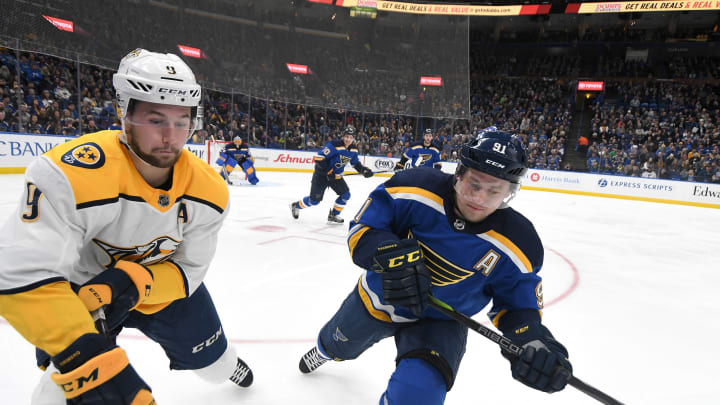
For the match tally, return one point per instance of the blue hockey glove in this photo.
(543, 364)
(95, 371)
(405, 279)
(117, 290)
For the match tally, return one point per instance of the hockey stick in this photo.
(227, 175)
(357, 173)
(98, 316)
(507, 345)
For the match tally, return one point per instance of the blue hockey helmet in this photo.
(498, 153)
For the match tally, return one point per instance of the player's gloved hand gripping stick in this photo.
(511, 349)
(112, 294)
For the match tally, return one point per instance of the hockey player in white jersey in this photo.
(121, 225)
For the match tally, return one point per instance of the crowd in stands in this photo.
(658, 130)
(348, 68)
(663, 129)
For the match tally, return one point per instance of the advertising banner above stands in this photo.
(640, 6)
(628, 188)
(449, 9)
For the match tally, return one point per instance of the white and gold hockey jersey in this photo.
(86, 206)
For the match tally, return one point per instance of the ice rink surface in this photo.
(630, 289)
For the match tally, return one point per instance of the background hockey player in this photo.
(237, 152)
(329, 168)
(424, 231)
(123, 223)
(421, 154)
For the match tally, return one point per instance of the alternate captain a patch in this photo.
(88, 155)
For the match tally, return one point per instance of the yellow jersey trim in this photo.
(510, 249)
(368, 305)
(355, 238)
(417, 191)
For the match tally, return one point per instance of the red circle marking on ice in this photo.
(573, 285)
(268, 228)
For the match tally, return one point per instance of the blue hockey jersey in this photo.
(420, 155)
(497, 259)
(334, 156)
(239, 153)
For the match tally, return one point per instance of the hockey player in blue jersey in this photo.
(329, 167)
(421, 154)
(236, 153)
(453, 236)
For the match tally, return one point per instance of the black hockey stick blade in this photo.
(507, 345)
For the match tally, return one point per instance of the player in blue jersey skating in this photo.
(329, 167)
(237, 153)
(421, 154)
(453, 236)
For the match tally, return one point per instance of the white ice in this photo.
(630, 289)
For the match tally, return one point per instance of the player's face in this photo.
(348, 140)
(157, 132)
(479, 194)
(428, 139)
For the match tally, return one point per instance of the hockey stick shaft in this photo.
(507, 345)
(357, 173)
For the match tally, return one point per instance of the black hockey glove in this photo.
(365, 171)
(543, 364)
(118, 290)
(405, 279)
(399, 166)
(95, 371)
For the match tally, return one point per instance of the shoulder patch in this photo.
(88, 155)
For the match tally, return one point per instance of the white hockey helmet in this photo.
(157, 78)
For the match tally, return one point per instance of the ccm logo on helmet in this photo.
(494, 163)
(173, 91)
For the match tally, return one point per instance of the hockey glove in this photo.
(118, 290)
(365, 171)
(543, 364)
(405, 279)
(95, 371)
(399, 166)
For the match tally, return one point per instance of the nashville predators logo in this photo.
(156, 251)
(88, 155)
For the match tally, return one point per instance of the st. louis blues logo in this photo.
(88, 155)
(338, 336)
(153, 252)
